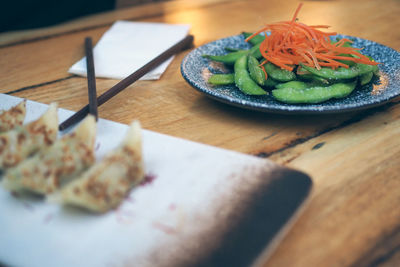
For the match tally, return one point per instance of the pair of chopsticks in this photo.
(95, 101)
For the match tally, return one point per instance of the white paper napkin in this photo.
(127, 46)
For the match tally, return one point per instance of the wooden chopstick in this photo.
(184, 43)
(91, 77)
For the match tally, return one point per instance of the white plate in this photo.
(195, 191)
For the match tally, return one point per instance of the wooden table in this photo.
(353, 218)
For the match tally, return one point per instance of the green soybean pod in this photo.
(341, 73)
(375, 69)
(307, 76)
(279, 74)
(366, 78)
(243, 80)
(255, 51)
(256, 72)
(347, 62)
(231, 58)
(228, 59)
(313, 78)
(270, 83)
(255, 40)
(315, 94)
(298, 85)
(230, 49)
(222, 79)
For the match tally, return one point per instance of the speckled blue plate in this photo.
(196, 71)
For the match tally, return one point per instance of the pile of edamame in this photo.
(303, 85)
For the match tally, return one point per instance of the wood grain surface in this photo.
(353, 218)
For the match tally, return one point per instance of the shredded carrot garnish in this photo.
(290, 43)
(265, 72)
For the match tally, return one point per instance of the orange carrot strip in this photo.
(291, 43)
(265, 72)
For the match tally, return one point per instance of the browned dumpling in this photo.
(107, 182)
(57, 164)
(23, 141)
(13, 117)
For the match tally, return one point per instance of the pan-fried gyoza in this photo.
(13, 117)
(23, 141)
(57, 164)
(107, 182)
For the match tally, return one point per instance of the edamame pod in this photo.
(375, 69)
(271, 83)
(304, 75)
(231, 58)
(341, 73)
(366, 78)
(255, 40)
(313, 78)
(279, 74)
(243, 80)
(315, 94)
(255, 51)
(298, 85)
(256, 72)
(230, 49)
(347, 62)
(222, 79)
